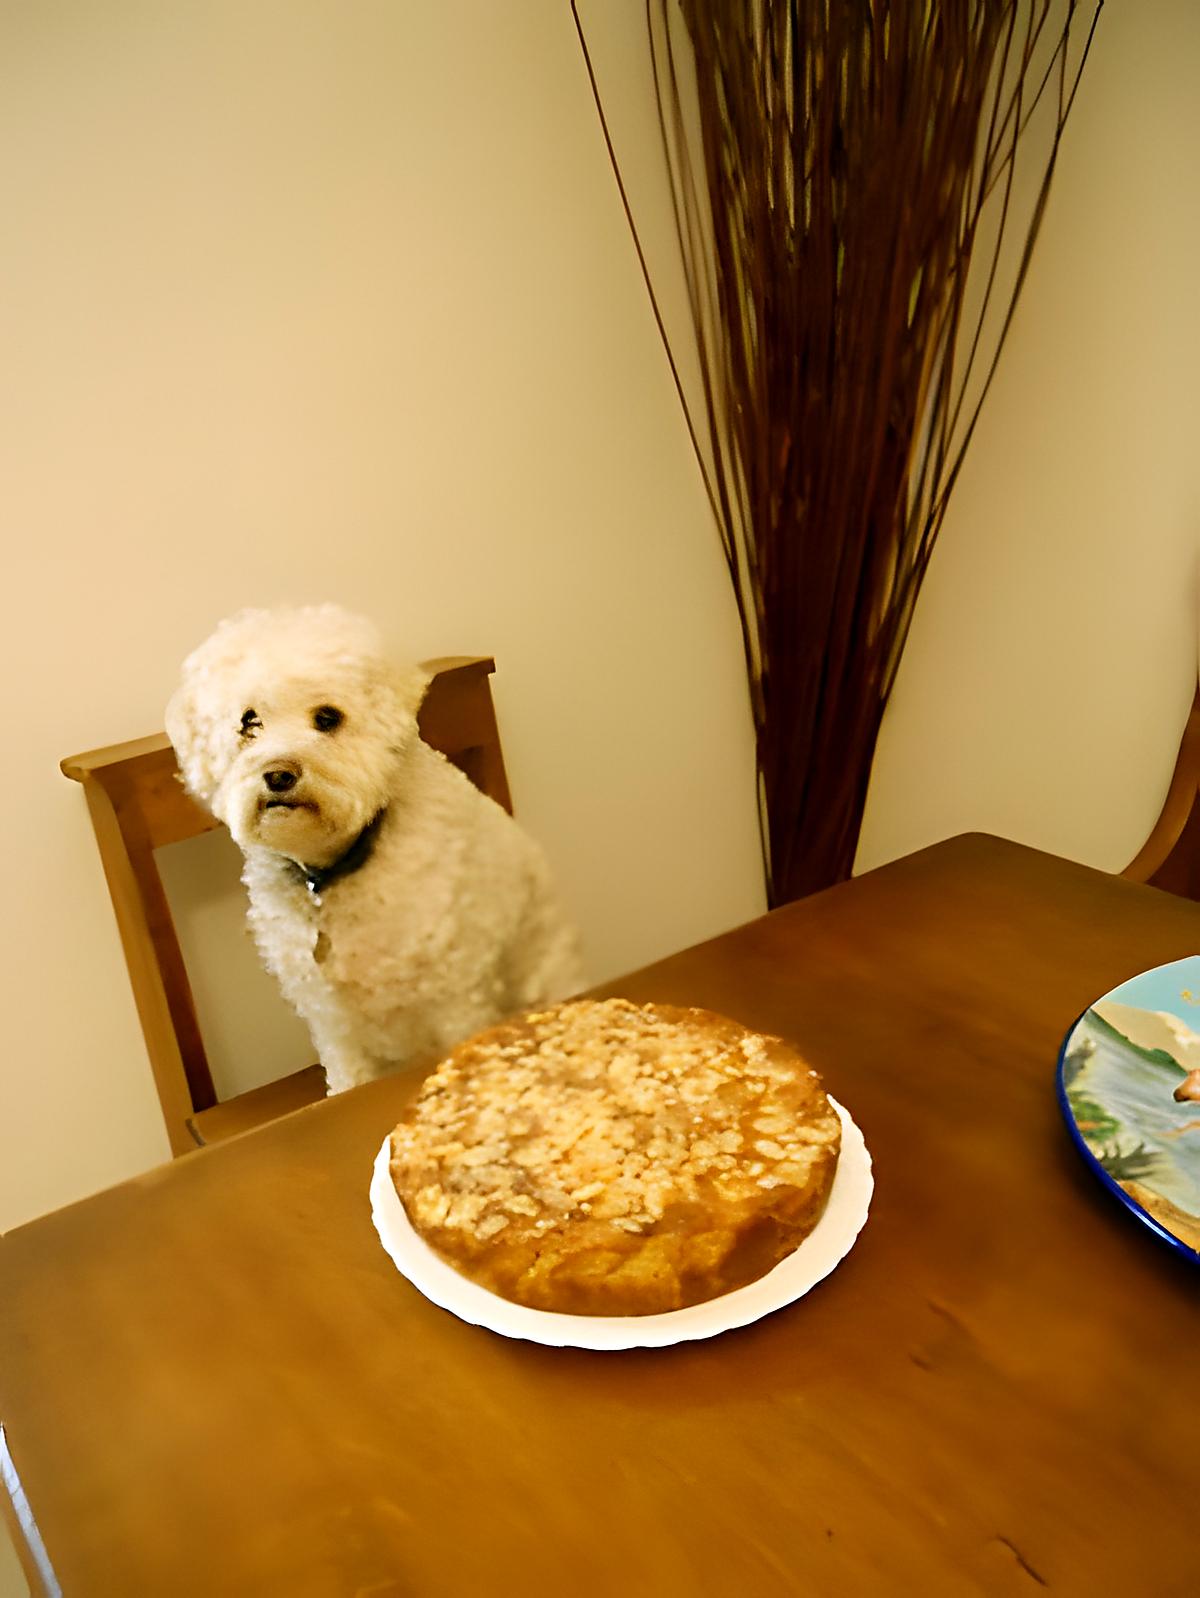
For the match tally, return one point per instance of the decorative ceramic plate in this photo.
(1129, 1086)
(821, 1251)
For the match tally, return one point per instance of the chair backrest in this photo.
(1170, 857)
(137, 805)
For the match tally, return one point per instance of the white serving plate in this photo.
(821, 1251)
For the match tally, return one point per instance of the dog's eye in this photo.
(250, 723)
(327, 717)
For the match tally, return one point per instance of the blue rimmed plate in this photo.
(1129, 1087)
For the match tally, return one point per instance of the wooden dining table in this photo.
(213, 1381)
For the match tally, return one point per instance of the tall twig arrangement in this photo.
(837, 167)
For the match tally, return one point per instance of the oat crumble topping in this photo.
(606, 1111)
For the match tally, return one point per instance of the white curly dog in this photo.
(400, 909)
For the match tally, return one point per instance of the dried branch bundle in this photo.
(837, 167)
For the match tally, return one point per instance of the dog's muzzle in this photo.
(279, 780)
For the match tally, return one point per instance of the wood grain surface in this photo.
(213, 1381)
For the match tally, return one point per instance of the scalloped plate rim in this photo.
(783, 1285)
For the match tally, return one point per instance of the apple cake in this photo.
(607, 1158)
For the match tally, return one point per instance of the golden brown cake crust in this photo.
(605, 1158)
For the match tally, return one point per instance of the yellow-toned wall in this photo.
(1052, 658)
(311, 301)
(306, 302)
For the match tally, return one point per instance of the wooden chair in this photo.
(137, 806)
(1170, 857)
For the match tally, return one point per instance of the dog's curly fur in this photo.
(293, 729)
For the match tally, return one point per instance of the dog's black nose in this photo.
(279, 779)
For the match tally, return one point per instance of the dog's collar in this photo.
(317, 878)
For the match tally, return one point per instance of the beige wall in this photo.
(1052, 658)
(305, 301)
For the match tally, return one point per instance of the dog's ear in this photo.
(191, 738)
(410, 685)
